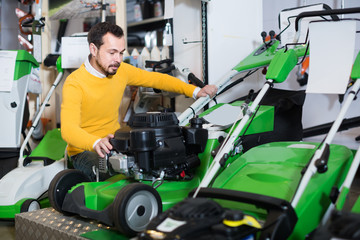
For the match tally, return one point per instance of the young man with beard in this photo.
(92, 95)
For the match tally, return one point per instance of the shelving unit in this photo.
(138, 29)
(145, 22)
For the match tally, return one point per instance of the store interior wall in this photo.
(188, 55)
(263, 15)
(234, 28)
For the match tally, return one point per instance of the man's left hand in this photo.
(208, 90)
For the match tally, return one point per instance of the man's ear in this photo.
(93, 49)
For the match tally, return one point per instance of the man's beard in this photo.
(107, 73)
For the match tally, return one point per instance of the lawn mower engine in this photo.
(156, 147)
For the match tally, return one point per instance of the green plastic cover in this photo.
(254, 61)
(51, 146)
(24, 63)
(355, 73)
(58, 64)
(281, 65)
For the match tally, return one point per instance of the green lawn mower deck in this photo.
(275, 170)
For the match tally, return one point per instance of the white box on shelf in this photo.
(74, 51)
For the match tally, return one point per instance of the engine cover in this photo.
(157, 142)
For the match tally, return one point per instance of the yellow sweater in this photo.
(90, 105)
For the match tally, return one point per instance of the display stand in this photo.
(47, 223)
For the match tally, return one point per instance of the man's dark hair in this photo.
(97, 32)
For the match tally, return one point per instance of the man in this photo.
(92, 95)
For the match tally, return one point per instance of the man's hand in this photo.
(104, 146)
(207, 90)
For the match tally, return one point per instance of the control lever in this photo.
(263, 35)
(250, 96)
(271, 34)
(269, 38)
(193, 79)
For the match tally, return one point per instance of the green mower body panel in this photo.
(261, 56)
(281, 65)
(24, 63)
(262, 122)
(356, 207)
(99, 195)
(51, 146)
(355, 73)
(9, 211)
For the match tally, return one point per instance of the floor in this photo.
(7, 230)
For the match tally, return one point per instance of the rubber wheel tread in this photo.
(121, 201)
(61, 184)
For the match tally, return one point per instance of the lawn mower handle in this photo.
(331, 12)
(201, 102)
(38, 116)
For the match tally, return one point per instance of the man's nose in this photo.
(118, 58)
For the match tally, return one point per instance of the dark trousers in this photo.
(87, 162)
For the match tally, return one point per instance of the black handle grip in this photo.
(51, 59)
(331, 12)
(250, 96)
(272, 34)
(167, 69)
(155, 64)
(193, 79)
(263, 35)
(47, 161)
